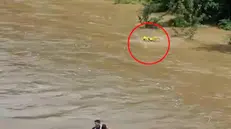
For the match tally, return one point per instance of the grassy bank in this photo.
(189, 14)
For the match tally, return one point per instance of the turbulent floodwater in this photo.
(65, 63)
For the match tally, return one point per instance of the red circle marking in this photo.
(148, 63)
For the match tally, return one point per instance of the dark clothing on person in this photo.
(103, 127)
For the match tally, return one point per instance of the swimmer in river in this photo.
(98, 125)
(154, 38)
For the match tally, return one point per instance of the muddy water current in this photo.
(64, 63)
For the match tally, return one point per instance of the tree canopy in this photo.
(192, 12)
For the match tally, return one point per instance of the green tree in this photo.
(191, 13)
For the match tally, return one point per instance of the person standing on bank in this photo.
(98, 125)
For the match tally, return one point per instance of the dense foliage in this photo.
(193, 12)
(189, 12)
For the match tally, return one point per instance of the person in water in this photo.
(154, 38)
(98, 125)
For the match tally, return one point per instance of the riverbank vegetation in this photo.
(188, 14)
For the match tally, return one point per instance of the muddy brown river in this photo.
(64, 63)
